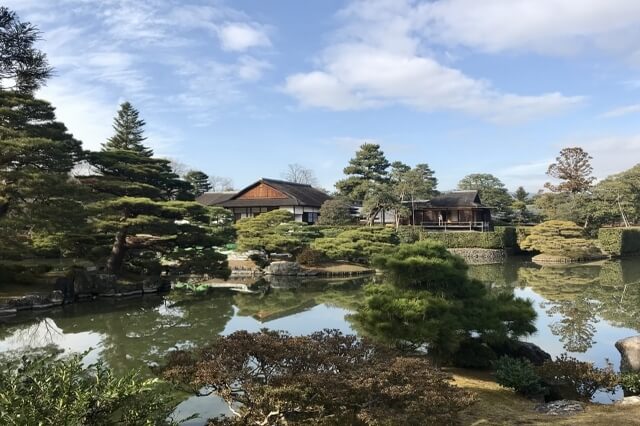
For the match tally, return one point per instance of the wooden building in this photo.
(266, 195)
(452, 211)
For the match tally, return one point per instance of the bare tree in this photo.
(298, 173)
(221, 184)
(178, 167)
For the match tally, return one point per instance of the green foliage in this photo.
(577, 379)
(367, 168)
(520, 375)
(492, 191)
(428, 299)
(43, 389)
(324, 378)
(501, 237)
(274, 232)
(357, 244)
(619, 241)
(23, 67)
(559, 238)
(336, 211)
(199, 182)
(630, 382)
(564, 206)
(129, 132)
(616, 199)
(37, 198)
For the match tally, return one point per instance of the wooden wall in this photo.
(262, 191)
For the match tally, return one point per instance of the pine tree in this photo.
(365, 171)
(492, 191)
(23, 68)
(38, 203)
(129, 132)
(573, 168)
(199, 181)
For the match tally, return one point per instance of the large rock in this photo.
(526, 350)
(629, 348)
(283, 268)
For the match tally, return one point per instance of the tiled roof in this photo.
(214, 198)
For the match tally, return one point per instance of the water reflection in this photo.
(575, 298)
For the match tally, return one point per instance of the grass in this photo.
(500, 406)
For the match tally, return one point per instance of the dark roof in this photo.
(298, 194)
(454, 199)
(213, 198)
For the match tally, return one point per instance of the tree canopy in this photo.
(573, 169)
(199, 182)
(365, 171)
(492, 191)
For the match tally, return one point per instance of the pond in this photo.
(582, 310)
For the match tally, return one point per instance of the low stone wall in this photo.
(478, 256)
(82, 285)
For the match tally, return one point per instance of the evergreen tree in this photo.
(23, 68)
(129, 132)
(521, 194)
(364, 172)
(37, 203)
(336, 211)
(199, 182)
(492, 191)
(135, 203)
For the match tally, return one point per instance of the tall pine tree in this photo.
(365, 172)
(129, 132)
(199, 181)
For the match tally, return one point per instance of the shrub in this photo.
(309, 256)
(577, 378)
(501, 237)
(472, 353)
(619, 241)
(272, 377)
(43, 389)
(560, 238)
(630, 382)
(336, 211)
(409, 234)
(519, 375)
(357, 244)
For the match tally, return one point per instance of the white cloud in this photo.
(240, 36)
(543, 26)
(378, 59)
(618, 112)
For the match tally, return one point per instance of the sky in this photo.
(243, 88)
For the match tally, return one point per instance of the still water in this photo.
(582, 310)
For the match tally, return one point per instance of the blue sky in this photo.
(243, 88)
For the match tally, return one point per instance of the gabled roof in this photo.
(214, 198)
(297, 194)
(469, 199)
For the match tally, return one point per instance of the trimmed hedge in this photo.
(619, 241)
(500, 238)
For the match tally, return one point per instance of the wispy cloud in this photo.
(378, 59)
(618, 112)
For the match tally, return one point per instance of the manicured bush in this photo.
(357, 244)
(520, 375)
(309, 256)
(561, 239)
(619, 241)
(577, 379)
(409, 234)
(501, 237)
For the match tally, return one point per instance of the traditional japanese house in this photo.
(265, 195)
(452, 211)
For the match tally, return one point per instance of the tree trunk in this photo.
(114, 263)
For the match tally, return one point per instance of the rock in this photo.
(526, 350)
(563, 407)
(284, 268)
(56, 297)
(630, 400)
(629, 348)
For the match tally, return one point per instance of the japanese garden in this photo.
(136, 290)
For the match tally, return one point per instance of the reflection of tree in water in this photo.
(144, 330)
(298, 297)
(581, 294)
